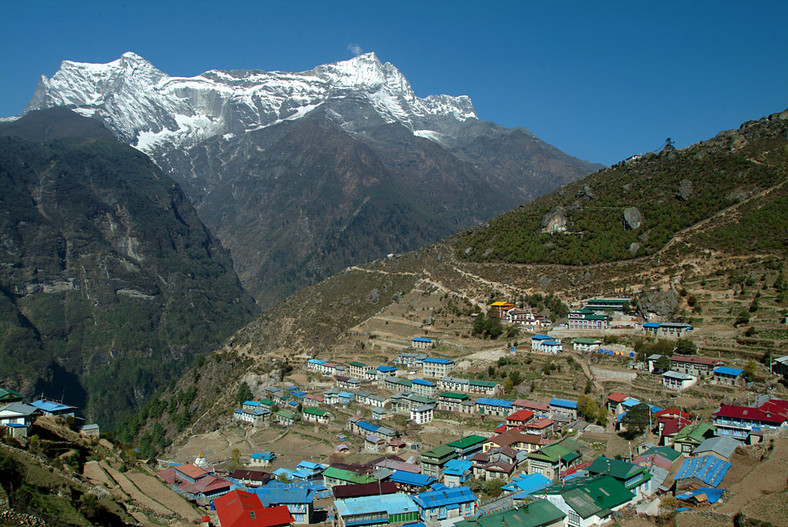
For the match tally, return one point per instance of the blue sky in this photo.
(599, 80)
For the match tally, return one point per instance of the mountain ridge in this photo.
(221, 135)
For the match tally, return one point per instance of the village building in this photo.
(333, 476)
(725, 376)
(254, 417)
(54, 408)
(8, 396)
(315, 365)
(454, 384)
(496, 407)
(691, 436)
(667, 330)
(498, 463)
(614, 402)
(490, 388)
(457, 472)
(312, 400)
(587, 319)
(588, 501)
(542, 426)
(347, 383)
(499, 309)
(563, 407)
(433, 461)
(546, 344)
(516, 439)
(424, 387)
(694, 365)
(285, 417)
(384, 372)
(605, 305)
(422, 414)
(374, 443)
(316, 415)
(519, 418)
(586, 344)
(194, 483)
(539, 408)
(410, 360)
(242, 509)
(674, 380)
(551, 459)
(251, 478)
(262, 459)
(742, 422)
(721, 447)
(434, 367)
(298, 500)
(376, 510)
(455, 402)
(446, 503)
(467, 446)
(411, 482)
(358, 369)
(420, 343)
(634, 477)
(538, 513)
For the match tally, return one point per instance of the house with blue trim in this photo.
(725, 376)
(457, 472)
(298, 499)
(376, 510)
(446, 503)
(563, 408)
(434, 367)
(546, 344)
(497, 407)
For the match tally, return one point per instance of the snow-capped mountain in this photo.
(146, 107)
(303, 174)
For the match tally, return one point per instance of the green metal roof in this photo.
(621, 470)
(347, 475)
(439, 452)
(664, 451)
(486, 384)
(694, 433)
(9, 394)
(565, 450)
(267, 402)
(467, 441)
(454, 395)
(534, 514)
(315, 411)
(584, 340)
(356, 363)
(595, 495)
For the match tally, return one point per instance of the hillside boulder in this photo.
(633, 218)
(661, 303)
(685, 190)
(555, 221)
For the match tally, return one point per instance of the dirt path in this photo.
(765, 478)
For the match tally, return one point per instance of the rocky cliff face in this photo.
(109, 281)
(302, 174)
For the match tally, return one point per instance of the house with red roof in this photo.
(519, 418)
(614, 400)
(744, 422)
(243, 509)
(537, 407)
(669, 423)
(194, 483)
(541, 426)
(515, 439)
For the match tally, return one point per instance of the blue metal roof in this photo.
(421, 339)
(724, 370)
(409, 478)
(708, 469)
(651, 325)
(495, 402)
(629, 403)
(433, 360)
(444, 498)
(422, 382)
(386, 369)
(399, 503)
(528, 484)
(564, 403)
(367, 426)
(713, 495)
(457, 467)
(51, 406)
(281, 495)
(541, 337)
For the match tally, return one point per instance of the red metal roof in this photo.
(695, 360)
(520, 415)
(673, 413)
(540, 424)
(750, 414)
(243, 509)
(376, 488)
(617, 397)
(532, 405)
(515, 436)
(193, 471)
